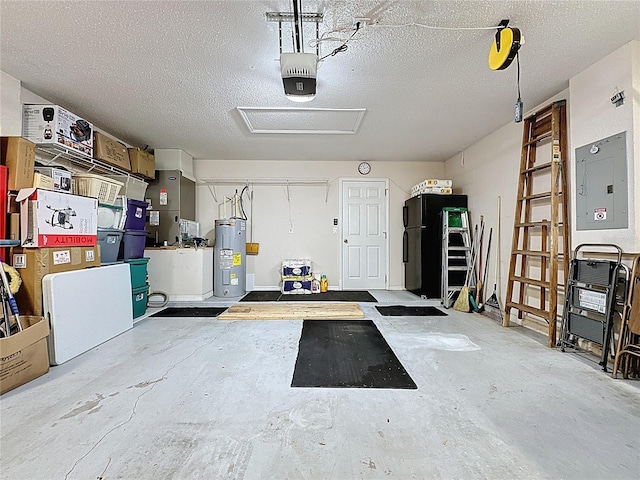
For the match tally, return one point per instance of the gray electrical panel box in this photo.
(602, 185)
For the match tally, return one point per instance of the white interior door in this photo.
(364, 234)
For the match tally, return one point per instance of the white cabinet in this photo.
(184, 274)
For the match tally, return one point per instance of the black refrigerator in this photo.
(422, 241)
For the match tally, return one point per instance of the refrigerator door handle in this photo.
(405, 247)
(405, 216)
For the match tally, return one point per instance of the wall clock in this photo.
(364, 168)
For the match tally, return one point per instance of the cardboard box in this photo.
(54, 125)
(61, 178)
(14, 226)
(142, 162)
(19, 155)
(24, 355)
(110, 151)
(54, 219)
(34, 263)
(13, 206)
(42, 181)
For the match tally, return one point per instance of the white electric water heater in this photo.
(229, 267)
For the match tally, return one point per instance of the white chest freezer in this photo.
(86, 308)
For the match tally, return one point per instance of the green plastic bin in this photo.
(139, 299)
(138, 271)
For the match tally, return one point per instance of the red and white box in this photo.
(55, 219)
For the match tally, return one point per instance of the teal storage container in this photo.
(138, 271)
(139, 299)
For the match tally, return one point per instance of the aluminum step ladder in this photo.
(456, 252)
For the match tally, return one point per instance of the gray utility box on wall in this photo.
(602, 184)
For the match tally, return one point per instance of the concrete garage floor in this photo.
(203, 398)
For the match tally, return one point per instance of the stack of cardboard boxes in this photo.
(56, 231)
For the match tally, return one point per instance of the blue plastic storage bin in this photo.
(133, 242)
(136, 214)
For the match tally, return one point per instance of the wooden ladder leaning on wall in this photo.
(548, 124)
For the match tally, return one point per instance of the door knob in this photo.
(346, 241)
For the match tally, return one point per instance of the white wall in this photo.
(11, 111)
(594, 117)
(491, 166)
(313, 209)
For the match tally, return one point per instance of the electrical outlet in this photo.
(364, 21)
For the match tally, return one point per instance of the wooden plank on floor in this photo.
(288, 311)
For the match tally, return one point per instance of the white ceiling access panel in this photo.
(313, 121)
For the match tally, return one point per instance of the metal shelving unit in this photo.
(55, 154)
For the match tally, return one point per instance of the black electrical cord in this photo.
(244, 215)
(518, 109)
(342, 47)
(518, 68)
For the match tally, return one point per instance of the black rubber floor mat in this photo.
(331, 296)
(190, 312)
(264, 296)
(347, 353)
(402, 311)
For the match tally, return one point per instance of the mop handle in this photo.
(11, 299)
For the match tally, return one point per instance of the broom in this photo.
(479, 257)
(462, 302)
(483, 282)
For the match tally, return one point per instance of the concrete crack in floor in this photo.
(135, 406)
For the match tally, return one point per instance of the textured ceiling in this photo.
(171, 74)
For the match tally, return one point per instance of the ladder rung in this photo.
(536, 253)
(530, 281)
(458, 269)
(534, 224)
(457, 229)
(454, 288)
(535, 168)
(532, 310)
(545, 223)
(533, 253)
(537, 139)
(535, 196)
(458, 249)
